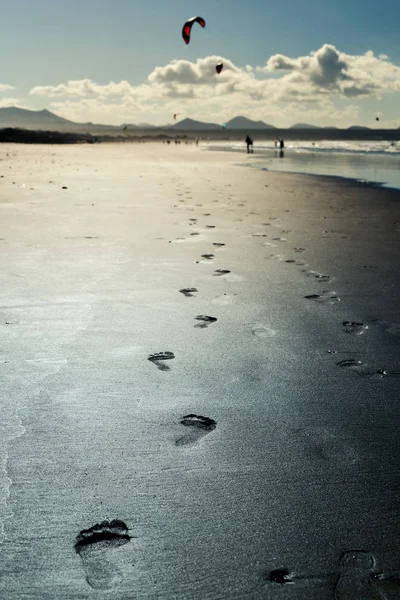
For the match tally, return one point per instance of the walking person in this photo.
(249, 143)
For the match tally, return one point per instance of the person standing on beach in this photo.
(249, 143)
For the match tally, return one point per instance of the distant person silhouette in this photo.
(281, 144)
(249, 143)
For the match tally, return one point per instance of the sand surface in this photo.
(294, 463)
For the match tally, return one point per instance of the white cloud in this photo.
(6, 102)
(329, 70)
(82, 88)
(5, 88)
(282, 91)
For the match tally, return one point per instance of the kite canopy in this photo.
(223, 125)
(187, 28)
(377, 118)
(219, 67)
(175, 115)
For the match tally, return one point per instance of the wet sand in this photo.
(199, 378)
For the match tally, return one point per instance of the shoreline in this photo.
(293, 158)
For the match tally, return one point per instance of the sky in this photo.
(322, 62)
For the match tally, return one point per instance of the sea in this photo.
(367, 162)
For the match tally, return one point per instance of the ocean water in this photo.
(369, 162)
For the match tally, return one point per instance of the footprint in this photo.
(205, 321)
(326, 446)
(279, 581)
(357, 579)
(199, 427)
(354, 327)
(280, 576)
(324, 297)
(322, 277)
(393, 329)
(188, 292)
(223, 300)
(349, 363)
(207, 256)
(299, 249)
(218, 244)
(220, 272)
(93, 546)
(159, 358)
(261, 331)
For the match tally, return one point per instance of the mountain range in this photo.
(46, 120)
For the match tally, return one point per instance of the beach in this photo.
(207, 354)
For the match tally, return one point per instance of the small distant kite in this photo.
(175, 115)
(376, 118)
(187, 28)
(219, 67)
(125, 130)
(223, 125)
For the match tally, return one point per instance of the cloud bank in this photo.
(324, 86)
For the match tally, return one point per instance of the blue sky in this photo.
(48, 43)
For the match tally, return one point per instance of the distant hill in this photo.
(244, 123)
(11, 116)
(134, 126)
(303, 126)
(44, 120)
(192, 125)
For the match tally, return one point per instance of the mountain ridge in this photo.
(45, 120)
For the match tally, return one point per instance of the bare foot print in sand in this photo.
(220, 272)
(188, 292)
(198, 427)
(318, 276)
(283, 584)
(350, 363)
(159, 358)
(94, 545)
(261, 331)
(323, 444)
(357, 580)
(281, 576)
(205, 321)
(224, 299)
(354, 327)
(324, 297)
